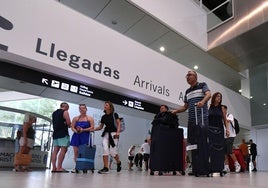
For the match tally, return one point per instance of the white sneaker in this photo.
(237, 168)
(226, 169)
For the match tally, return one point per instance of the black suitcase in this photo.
(86, 157)
(198, 137)
(166, 152)
(216, 149)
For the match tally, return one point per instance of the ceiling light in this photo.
(195, 67)
(251, 97)
(264, 104)
(162, 48)
(240, 90)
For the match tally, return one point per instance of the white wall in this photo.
(183, 16)
(72, 34)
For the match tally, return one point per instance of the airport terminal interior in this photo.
(239, 64)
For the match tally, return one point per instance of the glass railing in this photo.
(218, 11)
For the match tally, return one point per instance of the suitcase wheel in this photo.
(92, 171)
(183, 173)
(174, 173)
(152, 173)
(160, 173)
(84, 171)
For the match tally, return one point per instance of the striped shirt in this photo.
(194, 95)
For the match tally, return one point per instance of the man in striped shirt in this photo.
(197, 95)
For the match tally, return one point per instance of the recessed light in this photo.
(240, 90)
(195, 67)
(251, 97)
(264, 104)
(162, 48)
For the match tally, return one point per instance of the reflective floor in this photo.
(129, 179)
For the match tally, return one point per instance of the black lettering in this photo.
(137, 81)
(52, 49)
(116, 74)
(160, 90)
(86, 64)
(167, 92)
(73, 60)
(107, 71)
(97, 67)
(62, 55)
(38, 47)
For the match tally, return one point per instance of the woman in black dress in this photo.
(217, 119)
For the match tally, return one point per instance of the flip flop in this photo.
(62, 171)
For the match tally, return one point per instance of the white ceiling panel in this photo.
(120, 16)
(146, 31)
(171, 41)
(90, 8)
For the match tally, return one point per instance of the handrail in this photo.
(24, 112)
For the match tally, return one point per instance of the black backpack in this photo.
(236, 126)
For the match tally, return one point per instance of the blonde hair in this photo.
(28, 117)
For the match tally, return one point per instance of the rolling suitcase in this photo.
(197, 137)
(240, 159)
(216, 150)
(86, 156)
(166, 152)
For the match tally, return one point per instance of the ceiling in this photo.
(132, 22)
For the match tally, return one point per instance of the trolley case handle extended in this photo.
(194, 146)
(91, 140)
(202, 115)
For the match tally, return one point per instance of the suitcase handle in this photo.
(202, 115)
(91, 139)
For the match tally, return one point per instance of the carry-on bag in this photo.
(86, 156)
(166, 151)
(22, 159)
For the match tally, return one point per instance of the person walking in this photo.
(253, 154)
(229, 135)
(196, 96)
(245, 152)
(145, 149)
(27, 139)
(131, 155)
(110, 120)
(61, 139)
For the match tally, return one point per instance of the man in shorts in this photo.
(61, 139)
(229, 135)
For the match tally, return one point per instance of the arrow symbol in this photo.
(44, 81)
(124, 102)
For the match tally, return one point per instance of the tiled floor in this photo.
(127, 179)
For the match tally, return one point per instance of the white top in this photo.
(230, 118)
(131, 153)
(145, 148)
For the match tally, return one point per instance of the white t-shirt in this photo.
(131, 153)
(230, 117)
(145, 148)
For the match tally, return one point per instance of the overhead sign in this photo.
(47, 80)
